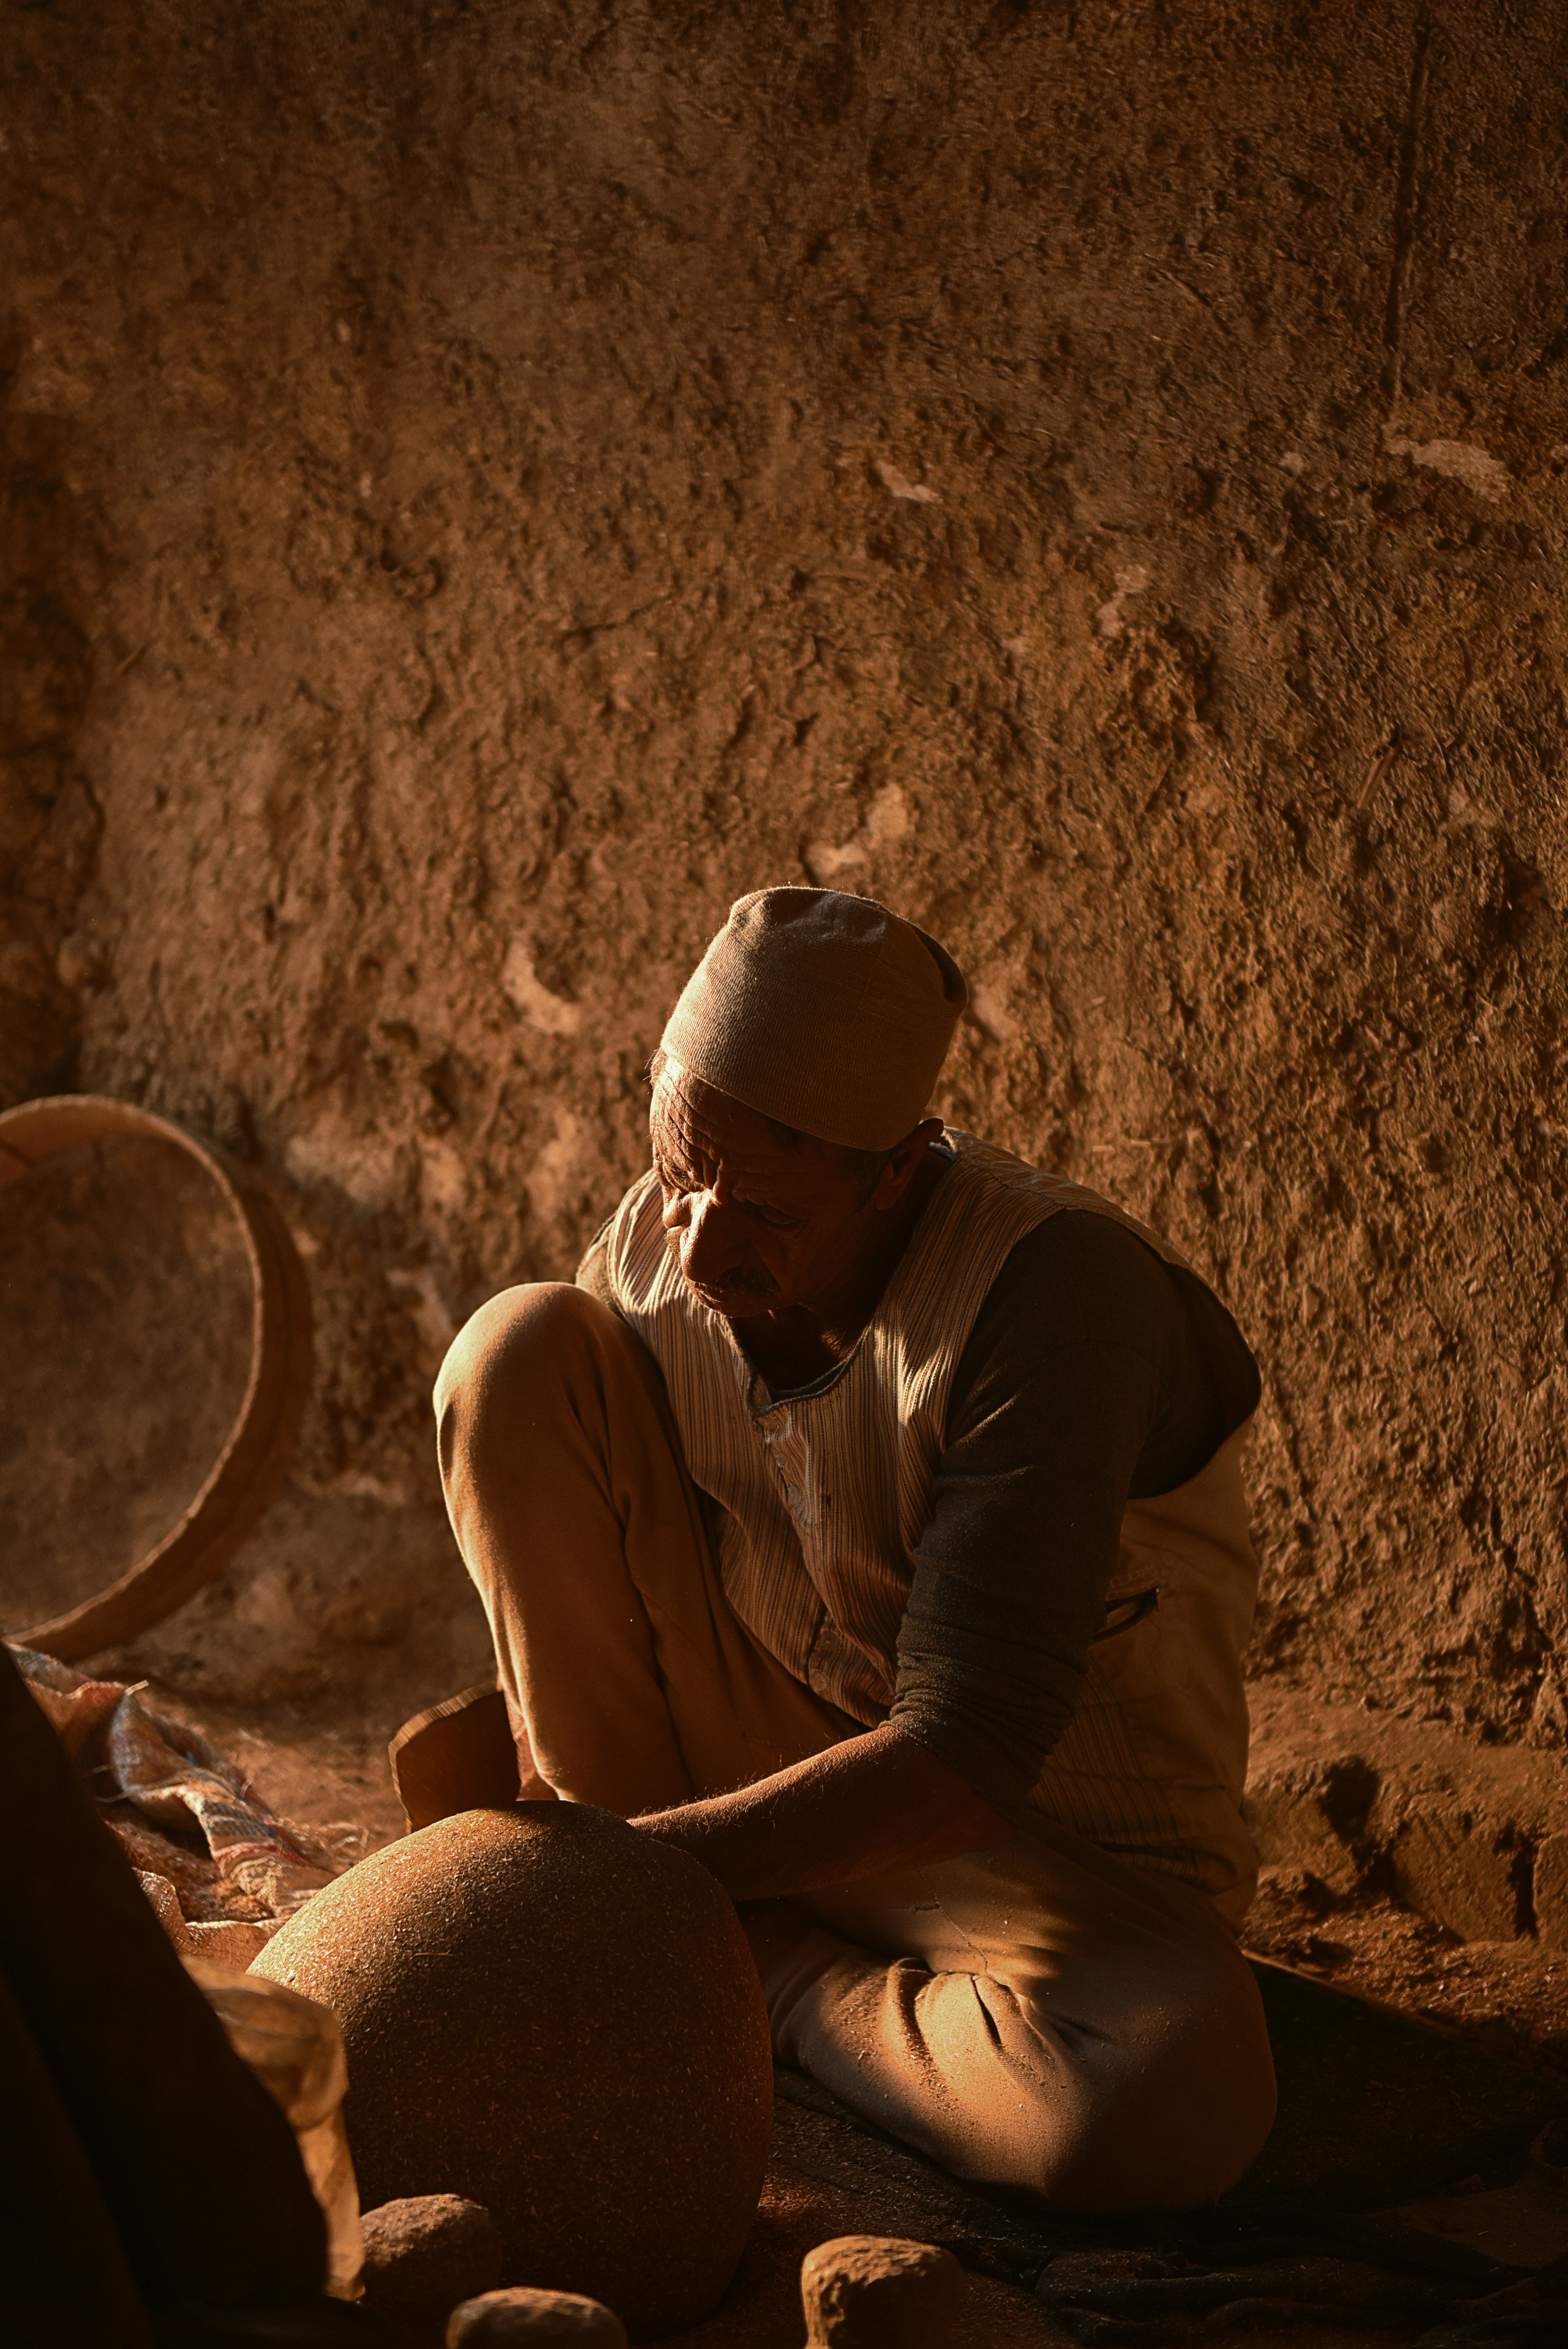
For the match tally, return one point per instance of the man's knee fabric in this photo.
(1042, 2014)
(1054, 2019)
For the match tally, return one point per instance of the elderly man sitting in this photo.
(868, 1521)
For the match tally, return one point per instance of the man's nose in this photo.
(708, 1243)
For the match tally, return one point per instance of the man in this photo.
(867, 1521)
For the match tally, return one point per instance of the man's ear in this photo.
(902, 1162)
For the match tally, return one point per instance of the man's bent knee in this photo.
(1154, 2137)
(1158, 2108)
(503, 1355)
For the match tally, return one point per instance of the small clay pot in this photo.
(558, 2018)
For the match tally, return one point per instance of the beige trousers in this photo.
(1040, 2015)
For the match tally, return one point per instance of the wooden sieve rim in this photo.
(256, 1453)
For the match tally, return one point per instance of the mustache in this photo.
(741, 1283)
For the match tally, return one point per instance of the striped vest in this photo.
(821, 1497)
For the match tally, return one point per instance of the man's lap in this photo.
(1040, 2014)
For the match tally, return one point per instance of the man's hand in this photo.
(870, 1804)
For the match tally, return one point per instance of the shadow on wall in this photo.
(50, 820)
(1473, 1838)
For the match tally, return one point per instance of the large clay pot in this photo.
(559, 2018)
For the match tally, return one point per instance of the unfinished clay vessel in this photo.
(558, 2018)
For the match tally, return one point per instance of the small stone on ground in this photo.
(428, 2252)
(524, 2319)
(876, 2292)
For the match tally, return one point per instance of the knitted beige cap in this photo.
(822, 1011)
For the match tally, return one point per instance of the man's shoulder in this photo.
(594, 1272)
(629, 1254)
(987, 1166)
(1080, 1267)
(1084, 1280)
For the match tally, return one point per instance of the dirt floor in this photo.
(1509, 1996)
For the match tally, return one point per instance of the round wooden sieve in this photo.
(256, 1452)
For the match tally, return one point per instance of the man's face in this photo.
(755, 1225)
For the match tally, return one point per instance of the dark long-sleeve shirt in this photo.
(1095, 1374)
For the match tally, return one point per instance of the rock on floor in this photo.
(425, 2253)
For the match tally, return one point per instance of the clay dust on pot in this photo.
(558, 2018)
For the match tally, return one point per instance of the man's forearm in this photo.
(870, 1804)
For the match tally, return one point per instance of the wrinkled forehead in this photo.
(696, 1131)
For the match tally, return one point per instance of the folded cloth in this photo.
(176, 1779)
(260, 1869)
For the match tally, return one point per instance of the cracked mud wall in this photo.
(496, 481)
